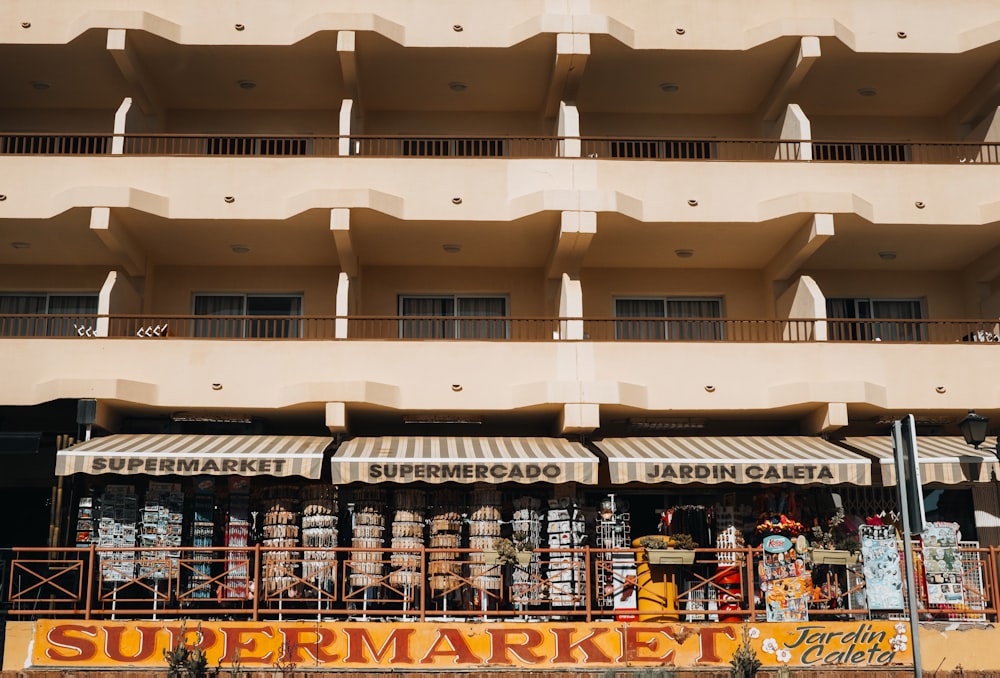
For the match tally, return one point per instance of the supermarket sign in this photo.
(49, 644)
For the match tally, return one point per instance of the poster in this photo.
(943, 564)
(786, 585)
(881, 569)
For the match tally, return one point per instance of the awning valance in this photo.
(191, 455)
(943, 459)
(405, 459)
(744, 459)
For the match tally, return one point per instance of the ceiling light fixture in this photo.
(684, 253)
(887, 255)
(457, 86)
(246, 84)
(669, 86)
(452, 248)
(239, 249)
(867, 91)
(20, 245)
(40, 85)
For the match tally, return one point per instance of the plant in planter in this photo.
(515, 551)
(669, 549)
(837, 537)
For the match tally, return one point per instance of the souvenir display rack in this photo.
(566, 528)
(162, 527)
(484, 530)
(368, 532)
(280, 530)
(526, 531)
(409, 513)
(616, 575)
(238, 535)
(320, 516)
(202, 536)
(116, 528)
(445, 533)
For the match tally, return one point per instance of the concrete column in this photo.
(570, 306)
(118, 141)
(342, 308)
(794, 125)
(804, 299)
(569, 127)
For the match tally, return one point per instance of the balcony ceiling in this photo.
(65, 239)
(396, 78)
(621, 80)
(380, 240)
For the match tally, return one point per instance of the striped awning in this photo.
(191, 455)
(714, 460)
(407, 459)
(943, 459)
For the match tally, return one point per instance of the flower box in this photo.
(669, 556)
(524, 557)
(834, 557)
(491, 557)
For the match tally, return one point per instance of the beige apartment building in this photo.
(639, 244)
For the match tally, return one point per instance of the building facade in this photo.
(664, 250)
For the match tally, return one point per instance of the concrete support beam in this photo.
(117, 240)
(570, 306)
(579, 418)
(569, 127)
(121, 116)
(804, 299)
(828, 417)
(981, 101)
(576, 232)
(348, 63)
(336, 417)
(800, 247)
(340, 226)
(791, 76)
(131, 69)
(342, 306)
(572, 52)
(794, 125)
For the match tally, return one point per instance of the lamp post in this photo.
(974, 428)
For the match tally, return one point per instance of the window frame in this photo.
(71, 324)
(670, 327)
(452, 326)
(891, 329)
(240, 325)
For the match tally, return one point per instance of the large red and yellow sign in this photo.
(359, 646)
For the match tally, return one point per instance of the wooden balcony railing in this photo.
(499, 328)
(498, 146)
(258, 582)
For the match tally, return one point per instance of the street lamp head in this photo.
(974, 428)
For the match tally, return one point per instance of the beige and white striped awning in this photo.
(943, 459)
(713, 460)
(407, 459)
(192, 455)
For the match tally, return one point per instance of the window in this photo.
(74, 314)
(453, 317)
(899, 319)
(648, 319)
(247, 315)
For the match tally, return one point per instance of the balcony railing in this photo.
(499, 328)
(498, 146)
(257, 583)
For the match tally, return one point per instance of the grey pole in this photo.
(911, 588)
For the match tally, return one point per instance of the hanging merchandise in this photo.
(162, 526)
(881, 567)
(567, 529)
(409, 512)
(484, 530)
(116, 529)
(237, 580)
(319, 531)
(279, 505)
(616, 570)
(202, 536)
(366, 567)
(445, 566)
(943, 569)
(526, 536)
(728, 593)
(786, 585)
